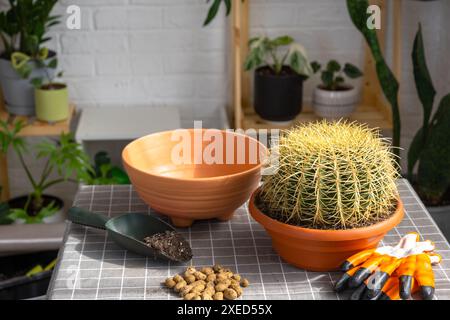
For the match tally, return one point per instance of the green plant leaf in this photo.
(433, 174)
(228, 6)
(37, 82)
(426, 92)
(327, 79)
(5, 214)
(352, 71)
(119, 176)
(333, 66)
(67, 157)
(21, 214)
(53, 64)
(282, 41)
(212, 12)
(298, 60)
(415, 149)
(9, 137)
(315, 66)
(424, 84)
(339, 80)
(258, 50)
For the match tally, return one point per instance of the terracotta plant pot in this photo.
(188, 190)
(321, 250)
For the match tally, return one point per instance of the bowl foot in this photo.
(226, 217)
(181, 222)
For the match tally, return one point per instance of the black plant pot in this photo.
(278, 97)
(14, 284)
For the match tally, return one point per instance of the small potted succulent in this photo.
(280, 66)
(65, 161)
(333, 194)
(23, 28)
(333, 98)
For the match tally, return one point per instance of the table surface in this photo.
(106, 123)
(90, 266)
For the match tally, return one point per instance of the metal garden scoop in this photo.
(130, 229)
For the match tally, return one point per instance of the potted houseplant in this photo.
(51, 97)
(65, 161)
(105, 173)
(333, 98)
(22, 29)
(334, 193)
(430, 149)
(280, 66)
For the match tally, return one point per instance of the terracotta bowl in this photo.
(321, 250)
(188, 175)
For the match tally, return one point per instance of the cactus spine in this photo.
(331, 176)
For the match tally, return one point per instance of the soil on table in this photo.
(263, 208)
(170, 244)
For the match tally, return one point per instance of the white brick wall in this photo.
(146, 52)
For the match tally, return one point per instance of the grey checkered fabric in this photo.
(91, 266)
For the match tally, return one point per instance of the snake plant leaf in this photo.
(389, 84)
(426, 92)
(424, 84)
(227, 6)
(433, 174)
(415, 149)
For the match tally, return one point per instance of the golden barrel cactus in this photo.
(331, 175)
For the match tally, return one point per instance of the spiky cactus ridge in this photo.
(332, 175)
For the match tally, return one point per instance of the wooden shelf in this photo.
(373, 110)
(35, 128)
(364, 114)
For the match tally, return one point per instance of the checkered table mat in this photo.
(91, 266)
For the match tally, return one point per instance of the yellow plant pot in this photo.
(52, 103)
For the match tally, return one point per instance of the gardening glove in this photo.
(370, 269)
(417, 269)
(391, 290)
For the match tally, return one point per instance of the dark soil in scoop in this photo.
(170, 244)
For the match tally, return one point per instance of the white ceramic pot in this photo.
(334, 105)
